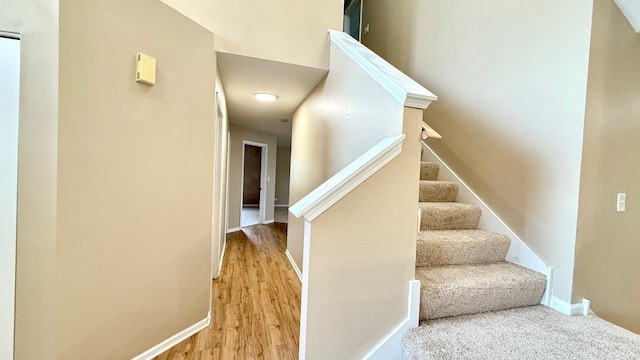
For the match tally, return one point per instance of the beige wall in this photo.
(511, 81)
(362, 257)
(332, 127)
(607, 248)
(238, 135)
(135, 178)
(283, 163)
(37, 21)
(287, 31)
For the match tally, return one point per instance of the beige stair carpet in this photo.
(429, 170)
(528, 333)
(469, 289)
(456, 247)
(449, 216)
(462, 269)
(438, 191)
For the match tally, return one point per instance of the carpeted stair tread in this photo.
(448, 216)
(468, 289)
(457, 247)
(534, 332)
(438, 191)
(429, 170)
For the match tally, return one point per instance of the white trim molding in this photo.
(293, 264)
(347, 179)
(390, 346)
(270, 221)
(174, 340)
(403, 88)
(306, 242)
(548, 292)
(233, 230)
(10, 34)
(224, 249)
(566, 308)
(631, 10)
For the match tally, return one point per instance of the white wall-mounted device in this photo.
(145, 69)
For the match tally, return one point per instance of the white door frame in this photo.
(9, 122)
(220, 189)
(226, 201)
(263, 179)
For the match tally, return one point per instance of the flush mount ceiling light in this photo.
(265, 97)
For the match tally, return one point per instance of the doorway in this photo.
(352, 23)
(9, 105)
(254, 164)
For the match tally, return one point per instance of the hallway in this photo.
(255, 303)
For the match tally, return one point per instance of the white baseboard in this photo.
(174, 340)
(233, 230)
(270, 221)
(566, 308)
(548, 292)
(390, 346)
(293, 264)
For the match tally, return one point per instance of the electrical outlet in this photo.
(622, 202)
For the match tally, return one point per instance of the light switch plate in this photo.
(145, 69)
(622, 202)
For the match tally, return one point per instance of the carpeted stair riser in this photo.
(468, 289)
(438, 191)
(457, 247)
(448, 216)
(429, 170)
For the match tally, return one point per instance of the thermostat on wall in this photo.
(145, 69)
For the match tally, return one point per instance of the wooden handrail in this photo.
(429, 133)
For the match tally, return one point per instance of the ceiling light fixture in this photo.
(265, 97)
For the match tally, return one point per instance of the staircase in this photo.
(462, 270)
(475, 305)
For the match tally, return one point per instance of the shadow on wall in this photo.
(509, 161)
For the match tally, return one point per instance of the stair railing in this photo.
(358, 252)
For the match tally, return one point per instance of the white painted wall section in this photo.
(9, 105)
(631, 10)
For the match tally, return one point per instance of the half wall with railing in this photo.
(355, 159)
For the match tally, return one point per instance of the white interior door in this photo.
(9, 105)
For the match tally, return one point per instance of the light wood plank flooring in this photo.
(255, 303)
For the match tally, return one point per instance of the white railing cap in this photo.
(403, 88)
(347, 179)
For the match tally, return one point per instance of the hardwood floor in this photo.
(255, 305)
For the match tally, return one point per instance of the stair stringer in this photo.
(519, 253)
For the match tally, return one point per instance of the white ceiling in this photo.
(244, 76)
